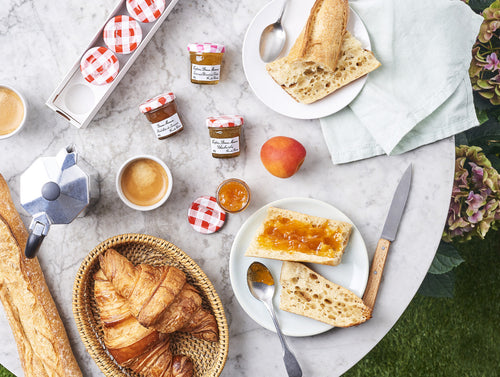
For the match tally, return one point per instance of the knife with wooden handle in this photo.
(388, 235)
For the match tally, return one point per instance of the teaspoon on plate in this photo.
(261, 285)
(272, 39)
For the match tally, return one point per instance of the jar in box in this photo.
(225, 133)
(161, 111)
(206, 61)
(146, 10)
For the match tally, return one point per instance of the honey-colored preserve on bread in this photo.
(291, 235)
(144, 182)
(11, 111)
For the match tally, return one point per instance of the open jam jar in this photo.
(225, 133)
(161, 111)
(233, 195)
(206, 60)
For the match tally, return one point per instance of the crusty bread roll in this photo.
(307, 293)
(326, 67)
(41, 339)
(294, 236)
(321, 38)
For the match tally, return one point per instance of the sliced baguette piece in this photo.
(308, 81)
(294, 236)
(309, 294)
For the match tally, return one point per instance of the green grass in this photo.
(444, 337)
(4, 372)
(447, 337)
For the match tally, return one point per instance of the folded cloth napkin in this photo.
(422, 92)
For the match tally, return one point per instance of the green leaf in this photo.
(446, 259)
(441, 285)
(482, 116)
(480, 5)
(487, 135)
(461, 139)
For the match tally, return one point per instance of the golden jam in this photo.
(260, 274)
(233, 195)
(288, 235)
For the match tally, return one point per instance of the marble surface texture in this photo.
(40, 40)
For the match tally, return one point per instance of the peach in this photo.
(282, 156)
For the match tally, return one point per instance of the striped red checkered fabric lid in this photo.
(122, 34)
(156, 102)
(206, 47)
(205, 215)
(225, 121)
(99, 66)
(145, 10)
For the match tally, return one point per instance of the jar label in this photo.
(225, 146)
(167, 126)
(205, 72)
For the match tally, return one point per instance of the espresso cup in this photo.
(144, 182)
(14, 100)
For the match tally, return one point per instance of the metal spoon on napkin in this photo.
(261, 285)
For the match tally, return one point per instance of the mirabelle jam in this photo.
(289, 235)
(260, 274)
(233, 195)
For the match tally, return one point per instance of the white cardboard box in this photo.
(77, 100)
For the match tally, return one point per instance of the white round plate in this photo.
(351, 273)
(266, 89)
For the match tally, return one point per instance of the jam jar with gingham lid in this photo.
(122, 34)
(206, 61)
(145, 10)
(225, 134)
(161, 111)
(99, 66)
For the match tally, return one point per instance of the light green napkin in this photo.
(422, 91)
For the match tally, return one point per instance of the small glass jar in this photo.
(146, 11)
(233, 195)
(206, 61)
(161, 111)
(225, 134)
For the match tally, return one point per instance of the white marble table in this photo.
(39, 42)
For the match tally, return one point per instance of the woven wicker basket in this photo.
(208, 358)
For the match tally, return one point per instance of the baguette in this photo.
(294, 236)
(307, 293)
(41, 339)
(321, 38)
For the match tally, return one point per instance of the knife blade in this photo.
(388, 235)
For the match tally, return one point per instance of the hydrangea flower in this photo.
(492, 62)
(485, 63)
(475, 199)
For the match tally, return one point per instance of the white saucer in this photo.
(352, 273)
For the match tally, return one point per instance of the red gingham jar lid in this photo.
(206, 47)
(156, 102)
(122, 34)
(145, 10)
(99, 66)
(205, 215)
(225, 121)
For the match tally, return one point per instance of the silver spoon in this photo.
(272, 39)
(261, 285)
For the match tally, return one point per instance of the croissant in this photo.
(145, 351)
(159, 297)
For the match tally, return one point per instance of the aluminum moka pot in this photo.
(55, 190)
